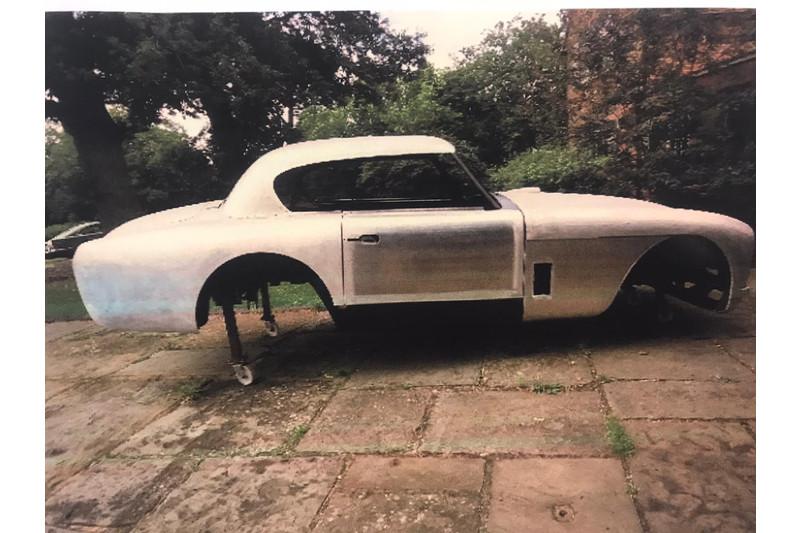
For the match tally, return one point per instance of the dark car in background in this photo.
(65, 243)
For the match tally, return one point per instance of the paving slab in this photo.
(678, 399)
(231, 421)
(556, 495)
(401, 511)
(418, 368)
(367, 420)
(743, 349)
(406, 494)
(694, 476)
(170, 434)
(53, 387)
(90, 419)
(751, 426)
(56, 330)
(113, 493)
(93, 352)
(541, 368)
(429, 474)
(669, 359)
(246, 494)
(517, 421)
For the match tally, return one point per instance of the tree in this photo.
(636, 74)
(510, 89)
(558, 169)
(68, 195)
(250, 73)
(166, 171)
(88, 62)
(404, 108)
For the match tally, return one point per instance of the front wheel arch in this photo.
(689, 267)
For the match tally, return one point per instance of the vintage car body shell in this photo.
(148, 273)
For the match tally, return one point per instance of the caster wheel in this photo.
(245, 374)
(272, 328)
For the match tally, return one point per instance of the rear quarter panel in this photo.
(150, 280)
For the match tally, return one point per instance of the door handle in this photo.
(366, 239)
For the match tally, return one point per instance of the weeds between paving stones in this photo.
(190, 390)
(293, 439)
(547, 388)
(621, 443)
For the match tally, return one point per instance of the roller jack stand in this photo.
(246, 371)
(267, 316)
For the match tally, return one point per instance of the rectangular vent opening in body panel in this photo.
(542, 277)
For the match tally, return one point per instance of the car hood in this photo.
(584, 216)
(170, 217)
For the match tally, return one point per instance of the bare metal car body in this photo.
(556, 255)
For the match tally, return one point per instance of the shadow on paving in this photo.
(436, 343)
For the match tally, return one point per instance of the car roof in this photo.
(254, 193)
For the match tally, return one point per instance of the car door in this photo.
(428, 255)
(412, 239)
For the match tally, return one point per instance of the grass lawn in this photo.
(63, 302)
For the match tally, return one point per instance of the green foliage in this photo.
(508, 94)
(548, 388)
(555, 169)
(62, 301)
(621, 443)
(645, 128)
(405, 108)
(348, 120)
(164, 169)
(167, 171)
(289, 295)
(510, 90)
(676, 139)
(68, 195)
(250, 73)
(191, 390)
(293, 439)
(413, 108)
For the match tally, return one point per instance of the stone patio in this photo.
(370, 431)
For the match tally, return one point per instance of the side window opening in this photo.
(379, 183)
